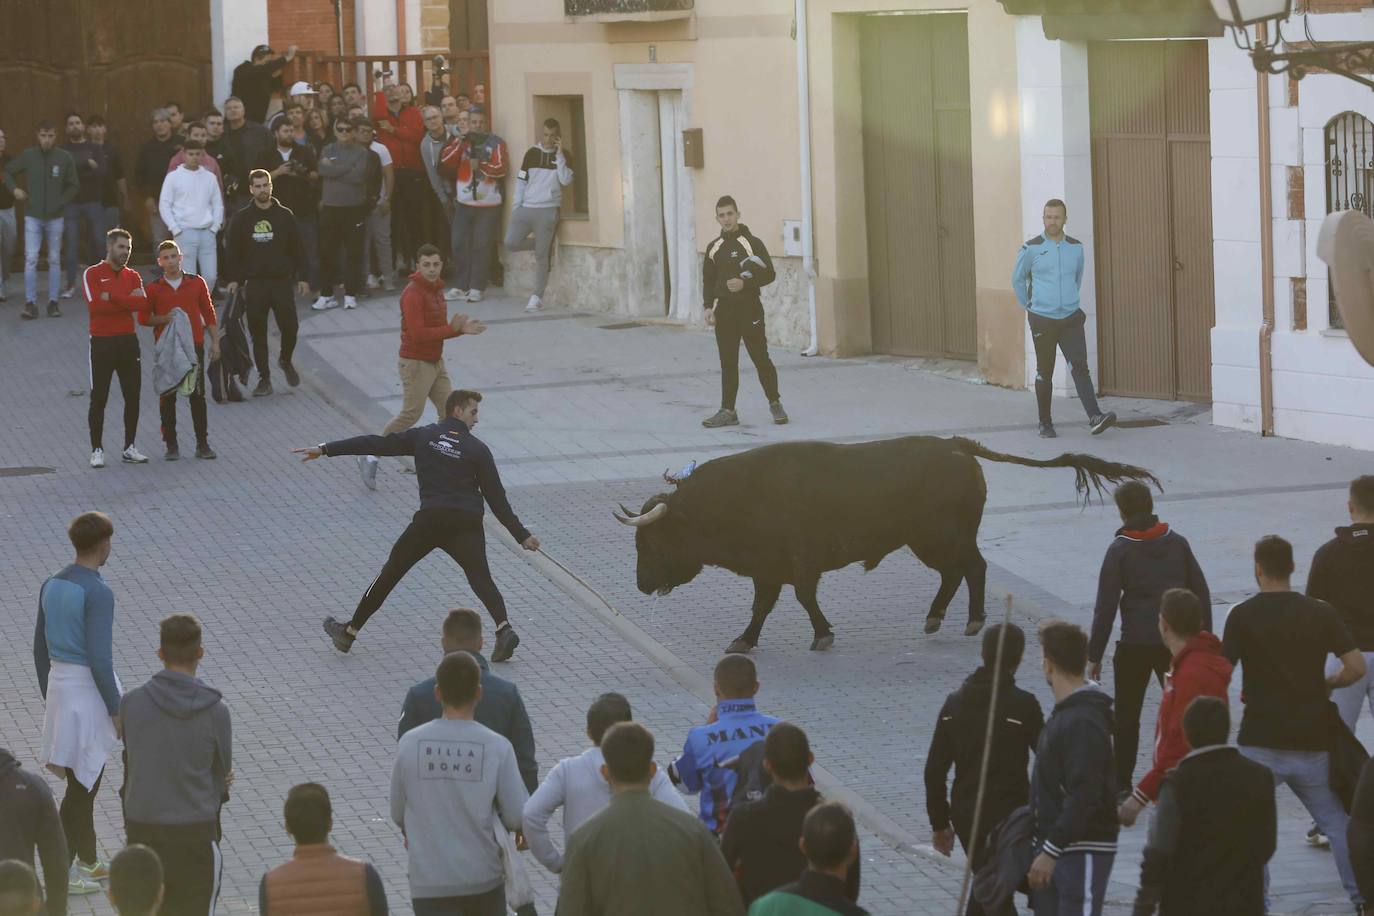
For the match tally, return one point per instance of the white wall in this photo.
(236, 27)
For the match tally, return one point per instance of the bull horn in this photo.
(639, 521)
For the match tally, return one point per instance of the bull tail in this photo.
(1089, 470)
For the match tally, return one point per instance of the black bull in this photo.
(785, 514)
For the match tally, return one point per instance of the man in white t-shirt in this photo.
(378, 232)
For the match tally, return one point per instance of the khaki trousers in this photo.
(421, 380)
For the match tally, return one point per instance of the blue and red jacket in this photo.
(701, 768)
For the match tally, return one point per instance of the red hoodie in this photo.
(403, 143)
(424, 320)
(1200, 670)
(110, 300)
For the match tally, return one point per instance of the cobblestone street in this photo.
(582, 412)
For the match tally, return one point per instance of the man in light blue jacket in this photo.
(1047, 277)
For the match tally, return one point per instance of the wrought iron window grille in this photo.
(1349, 145)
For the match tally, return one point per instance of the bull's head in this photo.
(664, 549)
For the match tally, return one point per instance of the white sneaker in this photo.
(324, 303)
(535, 304)
(98, 458)
(78, 883)
(373, 282)
(350, 302)
(452, 294)
(474, 295)
(133, 456)
(367, 468)
(68, 293)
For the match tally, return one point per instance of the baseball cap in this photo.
(302, 88)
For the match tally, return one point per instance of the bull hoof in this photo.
(740, 646)
(933, 623)
(974, 627)
(821, 643)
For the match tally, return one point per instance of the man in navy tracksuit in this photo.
(1073, 791)
(1145, 560)
(456, 473)
(1047, 276)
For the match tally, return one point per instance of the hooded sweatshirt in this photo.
(1343, 576)
(543, 175)
(29, 819)
(739, 254)
(177, 741)
(191, 199)
(1073, 791)
(1200, 670)
(1146, 560)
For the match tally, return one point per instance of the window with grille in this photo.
(596, 7)
(1349, 174)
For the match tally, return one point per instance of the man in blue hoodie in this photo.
(1046, 279)
(178, 767)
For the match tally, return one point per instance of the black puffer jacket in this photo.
(1343, 576)
(1073, 789)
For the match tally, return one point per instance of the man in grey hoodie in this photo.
(343, 216)
(177, 769)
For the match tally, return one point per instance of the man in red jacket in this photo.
(400, 128)
(113, 292)
(188, 292)
(1198, 670)
(425, 326)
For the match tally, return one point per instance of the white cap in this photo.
(302, 88)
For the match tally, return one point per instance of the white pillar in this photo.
(236, 27)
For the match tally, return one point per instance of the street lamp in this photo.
(1353, 60)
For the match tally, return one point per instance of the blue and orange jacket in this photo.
(702, 766)
(1047, 276)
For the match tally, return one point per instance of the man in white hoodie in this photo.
(544, 173)
(193, 209)
(577, 786)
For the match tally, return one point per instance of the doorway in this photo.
(918, 184)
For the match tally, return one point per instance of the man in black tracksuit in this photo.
(736, 267)
(1073, 791)
(1342, 575)
(1144, 561)
(959, 741)
(265, 252)
(456, 472)
(29, 820)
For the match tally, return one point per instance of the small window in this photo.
(603, 7)
(569, 111)
(1349, 172)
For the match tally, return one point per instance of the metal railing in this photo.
(1349, 172)
(468, 70)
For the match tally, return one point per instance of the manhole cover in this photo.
(25, 472)
(1141, 424)
(620, 327)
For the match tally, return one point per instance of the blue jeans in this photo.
(1308, 774)
(94, 215)
(35, 232)
(1079, 885)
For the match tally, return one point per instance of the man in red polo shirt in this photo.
(400, 128)
(113, 292)
(188, 292)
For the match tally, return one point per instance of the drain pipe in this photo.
(1266, 333)
(804, 120)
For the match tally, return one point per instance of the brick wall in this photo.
(310, 25)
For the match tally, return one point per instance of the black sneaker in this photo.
(30, 312)
(53, 310)
(203, 450)
(720, 418)
(779, 415)
(1047, 431)
(506, 641)
(292, 377)
(1103, 422)
(339, 635)
(264, 388)
(173, 453)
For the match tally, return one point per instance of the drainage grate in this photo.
(25, 472)
(625, 325)
(1141, 424)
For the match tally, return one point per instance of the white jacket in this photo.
(191, 200)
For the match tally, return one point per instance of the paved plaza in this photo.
(583, 412)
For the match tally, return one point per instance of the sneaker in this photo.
(367, 468)
(1047, 431)
(779, 415)
(30, 312)
(264, 388)
(506, 641)
(721, 417)
(203, 450)
(235, 394)
(338, 634)
(350, 302)
(535, 304)
(53, 310)
(1316, 838)
(68, 292)
(373, 282)
(292, 377)
(1103, 422)
(100, 871)
(387, 284)
(98, 458)
(78, 884)
(173, 453)
(324, 303)
(474, 295)
(132, 455)
(453, 295)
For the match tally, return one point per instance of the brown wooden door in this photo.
(918, 184)
(1151, 155)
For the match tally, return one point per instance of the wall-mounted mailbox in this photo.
(693, 153)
